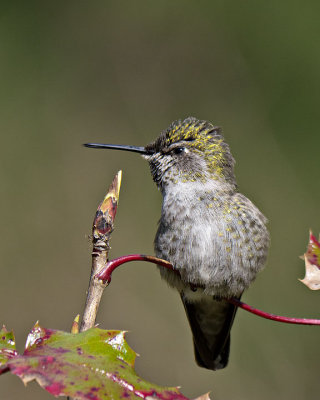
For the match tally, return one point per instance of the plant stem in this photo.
(273, 317)
(105, 276)
(101, 231)
(106, 272)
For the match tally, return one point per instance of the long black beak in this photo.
(136, 149)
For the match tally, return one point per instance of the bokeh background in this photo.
(120, 72)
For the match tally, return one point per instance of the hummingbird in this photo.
(213, 235)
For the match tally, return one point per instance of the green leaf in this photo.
(7, 346)
(92, 365)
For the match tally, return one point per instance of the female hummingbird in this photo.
(212, 234)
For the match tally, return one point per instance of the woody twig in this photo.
(103, 225)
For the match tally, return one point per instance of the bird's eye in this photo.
(179, 150)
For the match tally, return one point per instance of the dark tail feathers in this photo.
(210, 321)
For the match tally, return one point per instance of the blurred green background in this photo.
(120, 72)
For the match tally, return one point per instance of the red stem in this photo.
(106, 272)
(273, 317)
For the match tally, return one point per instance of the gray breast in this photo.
(216, 240)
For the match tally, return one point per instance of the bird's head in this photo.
(189, 150)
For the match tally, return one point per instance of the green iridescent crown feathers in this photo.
(202, 137)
